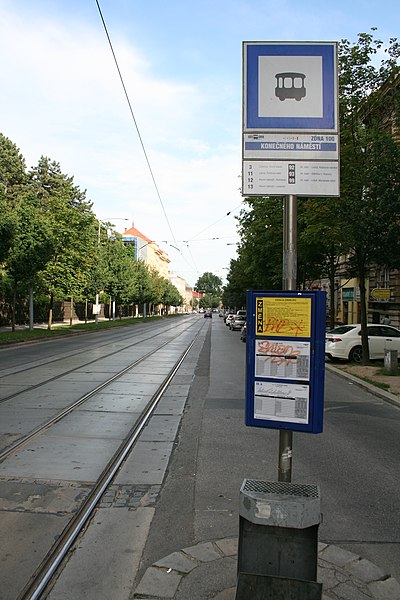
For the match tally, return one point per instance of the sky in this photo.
(169, 161)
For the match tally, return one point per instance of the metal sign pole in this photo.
(289, 277)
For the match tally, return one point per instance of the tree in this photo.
(369, 207)
(65, 208)
(32, 248)
(12, 182)
(260, 249)
(118, 271)
(234, 293)
(12, 169)
(209, 284)
(322, 243)
(142, 285)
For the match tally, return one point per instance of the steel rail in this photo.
(34, 387)
(22, 441)
(44, 573)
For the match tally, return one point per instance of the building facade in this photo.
(147, 250)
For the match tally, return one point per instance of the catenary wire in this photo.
(134, 119)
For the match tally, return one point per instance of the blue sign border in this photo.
(326, 122)
(317, 361)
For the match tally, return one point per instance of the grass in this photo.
(379, 384)
(24, 335)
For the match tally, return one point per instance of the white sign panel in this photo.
(295, 146)
(288, 402)
(282, 178)
(282, 359)
(290, 86)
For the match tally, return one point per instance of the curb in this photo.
(388, 396)
(344, 575)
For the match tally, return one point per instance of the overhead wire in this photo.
(216, 222)
(134, 120)
(146, 155)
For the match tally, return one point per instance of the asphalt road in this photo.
(355, 461)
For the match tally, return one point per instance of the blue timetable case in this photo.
(285, 360)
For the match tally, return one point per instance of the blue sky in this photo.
(181, 62)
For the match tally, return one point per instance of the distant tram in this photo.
(290, 85)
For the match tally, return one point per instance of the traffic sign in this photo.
(290, 119)
(290, 86)
(280, 178)
(382, 294)
(295, 146)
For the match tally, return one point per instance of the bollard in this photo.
(391, 362)
(278, 540)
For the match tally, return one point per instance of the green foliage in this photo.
(8, 225)
(209, 284)
(64, 208)
(12, 169)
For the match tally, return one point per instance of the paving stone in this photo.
(204, 552)
(228, 546)
(389, 589)
(330, 577)
(228, 594)
(321, 546)
(158, 583)
(366, 570)
(338, 556)
(347, 591)
(178, 561)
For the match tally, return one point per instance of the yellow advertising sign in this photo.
(380, 293)
(283, 316)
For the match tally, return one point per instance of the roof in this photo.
(136, 233)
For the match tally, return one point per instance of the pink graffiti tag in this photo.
(277, 352)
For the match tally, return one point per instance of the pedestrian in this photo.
(386, 320)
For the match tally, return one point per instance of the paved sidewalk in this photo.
(179, 576)
(208, 570)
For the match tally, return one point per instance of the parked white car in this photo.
(228, 319)
(345, 342)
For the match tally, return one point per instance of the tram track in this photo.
(53, 560)
(77, 368)
(31, 469)
(4, 454)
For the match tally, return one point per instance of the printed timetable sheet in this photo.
(287, 402)
(282, 359)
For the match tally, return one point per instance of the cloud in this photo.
(63, 99)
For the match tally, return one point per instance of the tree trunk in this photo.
(50, 315)
(71, 308)
(31, 307)
(364, 316)
(13, 305)
(86, 310)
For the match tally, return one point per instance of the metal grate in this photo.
(280, 488)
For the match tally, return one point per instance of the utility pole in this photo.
(289, 276)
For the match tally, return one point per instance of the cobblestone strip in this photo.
(344, 575)
(130, 496)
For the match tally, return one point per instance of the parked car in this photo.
(344, 342)
(238, 321)
(208, 313)
(228, 318)
(243, 332)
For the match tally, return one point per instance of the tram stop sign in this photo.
(290, 119)
(285, 360)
